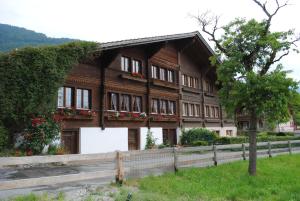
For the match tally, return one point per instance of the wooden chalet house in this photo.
(163, 84)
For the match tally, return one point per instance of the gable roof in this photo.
(154, 39)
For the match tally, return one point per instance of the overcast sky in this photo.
(110, 20)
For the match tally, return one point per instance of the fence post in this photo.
(244, 151)
(269, 149)
(215, 155)
(120, 168)
(290, 147)
(175, 159)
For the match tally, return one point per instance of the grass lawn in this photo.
(277, 178)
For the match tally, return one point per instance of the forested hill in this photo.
(12, 37)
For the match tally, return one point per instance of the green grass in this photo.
(42, 197)
(277, 179)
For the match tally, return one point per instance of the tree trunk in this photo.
(252, 144)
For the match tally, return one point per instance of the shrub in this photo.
(150, 141)
(41, 132)
(199, 143)
(198, 134)
(3, 138)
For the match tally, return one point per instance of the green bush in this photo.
(3, 138)
(150, 141)
(41, 132)
(199, 143)
(198, 134)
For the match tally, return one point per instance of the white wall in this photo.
(95, 140)
(286, 127)
(156, 132)
(222, 130)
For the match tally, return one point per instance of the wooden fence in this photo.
(122, 165)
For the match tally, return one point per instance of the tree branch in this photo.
(271, 61)
(205, 21)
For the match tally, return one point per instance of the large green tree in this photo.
(247, 56)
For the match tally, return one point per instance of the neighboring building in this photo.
(243, 122)
(162, 83)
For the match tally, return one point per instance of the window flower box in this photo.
(71, 113)
(127, 116)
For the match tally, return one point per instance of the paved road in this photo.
(136, 165)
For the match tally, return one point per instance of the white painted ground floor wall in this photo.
(96, 140)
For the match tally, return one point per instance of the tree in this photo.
(247, 53)
(295, 108)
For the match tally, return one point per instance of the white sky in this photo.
(102, 21)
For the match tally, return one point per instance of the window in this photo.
(188, 81)
(229, 132)
(191, 82)
(136, 66)
(212, 111)
(154, 106)
(185, 109)
(113, 104)
(171, 107)
(196, 83)
(163, 106)
(137, 104)
(154, 72)
(197, 110)
(170, 76)
(82, 99)
(217, 112)
(209, 86)
(65, 96)
(125, 102)
(162, 74)
(125, 64)
(183, 78)
(207, 112)
(191, 110)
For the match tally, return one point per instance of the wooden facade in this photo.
(147, 83)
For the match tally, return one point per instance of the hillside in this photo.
(12, 37)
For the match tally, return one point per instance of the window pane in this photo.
(154, 106)
(113, 102)
(183, 80)
(162, 75)
(170, 76)
(154, 72)
(60, 97)
(86, 99)
(68, 97)
(78, 98)
(207, 112)
(171, 108)
(137, 103)
(125, 64)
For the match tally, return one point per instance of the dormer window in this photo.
(162, 74)
(170, 76)
(136, 66)
(125, 64)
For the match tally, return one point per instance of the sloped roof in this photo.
(154, 39)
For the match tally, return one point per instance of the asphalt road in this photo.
(136, 166)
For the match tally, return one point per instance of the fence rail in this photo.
(122, 165)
